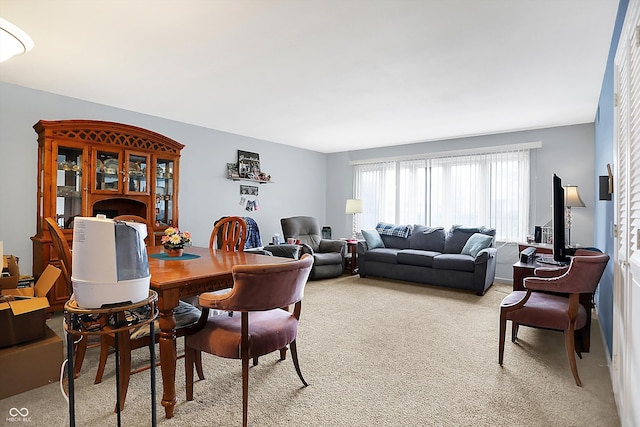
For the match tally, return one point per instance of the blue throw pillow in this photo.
(373, 239)
(476, 243)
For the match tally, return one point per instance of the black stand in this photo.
(75, 326)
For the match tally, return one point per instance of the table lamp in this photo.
(354, 206)
(571, 200)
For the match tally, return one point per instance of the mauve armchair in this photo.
(552, 302)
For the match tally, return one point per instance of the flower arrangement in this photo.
(175, 239)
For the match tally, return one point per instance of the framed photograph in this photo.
(248, 164)
(249, 190)
(232, 170)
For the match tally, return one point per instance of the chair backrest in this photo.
(62, 249)
(305, 228)
(150, 240)
(583, 275)
(268, 286)
(230, 234)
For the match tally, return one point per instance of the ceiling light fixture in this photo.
(13, 41)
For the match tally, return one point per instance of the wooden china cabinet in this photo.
(88, 167)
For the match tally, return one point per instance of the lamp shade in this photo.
(353, 206)
(13, 41)
(572, 198)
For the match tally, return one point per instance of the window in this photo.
(490, 189)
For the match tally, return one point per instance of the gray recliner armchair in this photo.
(328, 255)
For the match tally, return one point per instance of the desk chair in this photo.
(258, 293)
(559, 310)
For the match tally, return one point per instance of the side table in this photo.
(351, 260)
(109, 319)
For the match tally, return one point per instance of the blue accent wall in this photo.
(604, 210)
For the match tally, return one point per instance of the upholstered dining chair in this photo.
(186, 315)
(262, 294)
(328, 255)
(551, 301)
(229, 233)
(64, 257)
(150, 240)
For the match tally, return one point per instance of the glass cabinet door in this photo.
(69, 186)
(164, 192)
(107, 170)
(137, 173)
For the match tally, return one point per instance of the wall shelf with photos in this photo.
(251, 180)
(247, 168)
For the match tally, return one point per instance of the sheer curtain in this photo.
(412, 185)
(490, 189)
(375, 185)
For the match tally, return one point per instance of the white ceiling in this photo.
(325, 75)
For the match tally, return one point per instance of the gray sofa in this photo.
(462, 258)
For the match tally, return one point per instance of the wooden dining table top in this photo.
(169, 273)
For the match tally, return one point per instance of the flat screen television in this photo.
(558, 221)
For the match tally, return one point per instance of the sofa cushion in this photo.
(416, 257)
(393, 230)
(395, 242)
(386, 255)
(476, 243)
(458, 236)
(373, 239)
(427, 238)
(456, 262)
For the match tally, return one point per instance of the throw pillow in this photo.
(476, 243)
(373, 239)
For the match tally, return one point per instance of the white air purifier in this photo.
(109, 262)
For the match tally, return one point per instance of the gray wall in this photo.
(567, 151)
(305, 182)
(299, 186)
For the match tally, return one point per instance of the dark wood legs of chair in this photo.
(80, 350)
(192, 355)
(569, 343)
(294, 356)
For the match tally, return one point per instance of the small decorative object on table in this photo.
(174, 241)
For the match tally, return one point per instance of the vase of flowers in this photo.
(174, 241)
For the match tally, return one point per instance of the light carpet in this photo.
(375, 353)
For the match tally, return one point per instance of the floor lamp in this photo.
(571, 200)
(354, 206)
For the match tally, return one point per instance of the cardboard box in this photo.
(10, 281)
(38, 363)
(23, 313)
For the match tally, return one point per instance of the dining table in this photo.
(198, 270)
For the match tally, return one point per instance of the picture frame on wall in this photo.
(248, 164)
(232, 170)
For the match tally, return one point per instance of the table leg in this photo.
(168, 360)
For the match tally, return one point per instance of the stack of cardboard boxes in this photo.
(28, 347)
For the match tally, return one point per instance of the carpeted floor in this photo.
(376, 353)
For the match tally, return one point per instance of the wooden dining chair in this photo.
(229, 233)
(64, 258)
(186, 315)
(259, 292)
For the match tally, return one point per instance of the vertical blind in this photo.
(490, 189)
